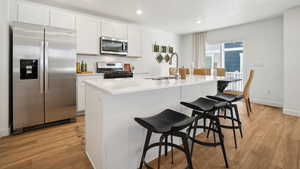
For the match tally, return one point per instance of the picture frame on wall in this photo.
(155, 48)
(171, 49)
(164, 49)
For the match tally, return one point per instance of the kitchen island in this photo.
(113, 139)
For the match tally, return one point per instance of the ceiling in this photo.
(180, 16)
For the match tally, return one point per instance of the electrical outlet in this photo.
(269, 92)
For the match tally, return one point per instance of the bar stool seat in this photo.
(203, 104)
(166, 123)
(226, 97)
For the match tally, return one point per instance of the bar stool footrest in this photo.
(205, 143)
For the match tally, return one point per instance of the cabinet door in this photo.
(108, 29)
(62, 19)
(134, 41)
(120, 30)
(81, 90)
(33, 13)
(88, 37)
(115, 30)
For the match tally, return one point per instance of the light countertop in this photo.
(132, 85)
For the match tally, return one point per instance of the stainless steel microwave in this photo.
(113, 46)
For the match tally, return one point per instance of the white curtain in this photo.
(199, 45)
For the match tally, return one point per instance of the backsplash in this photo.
(91, 61)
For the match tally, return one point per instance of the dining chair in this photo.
(202, 71)
(172, 71)
(187, 71)
(220, 72)
(245, 93)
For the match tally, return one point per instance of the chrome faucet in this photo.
(177, 66)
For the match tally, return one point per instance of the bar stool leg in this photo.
(210, 124)
(233, 127)
(222, 144)
(147, 141)
(172, 149)
(204, 123)
(214, 134)
(166, 146)
(187, 153)
(238, 118)
(194, 135)
(161, 142)
(190, 128)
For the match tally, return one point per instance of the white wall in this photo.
(291, 61)
(4, 130)
(263, 52)
(146, 64)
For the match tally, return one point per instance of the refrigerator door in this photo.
(60, 74)
(27, 75)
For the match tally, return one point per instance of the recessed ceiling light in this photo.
(198, 21)
(139, 12)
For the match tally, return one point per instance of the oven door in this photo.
(113, 46)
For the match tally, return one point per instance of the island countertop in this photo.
(133, 85)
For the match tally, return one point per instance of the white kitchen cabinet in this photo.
(80, 90)
(62, 19)
(88, 35)
(115, 30)
(33, 13)
(134, 41)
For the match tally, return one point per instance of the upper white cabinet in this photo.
(62, 19)
(33, 13)
(115, 30)
(88, 34)
(134, 41)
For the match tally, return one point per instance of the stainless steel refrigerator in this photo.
(42, 75)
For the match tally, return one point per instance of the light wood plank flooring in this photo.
(271, 141)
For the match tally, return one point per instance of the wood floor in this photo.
(271, 141)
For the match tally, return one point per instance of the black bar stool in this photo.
(230, 99)
(166, 123)
(204, 108)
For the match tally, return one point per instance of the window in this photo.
(229, 56)
(225, 55)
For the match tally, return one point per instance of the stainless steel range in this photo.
(42, 75)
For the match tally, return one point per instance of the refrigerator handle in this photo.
(42, 68)
(46, 67)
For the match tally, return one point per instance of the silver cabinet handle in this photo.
(42, 68)
(46, 67)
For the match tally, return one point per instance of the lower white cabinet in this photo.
(80, 90)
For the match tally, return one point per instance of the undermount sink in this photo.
(163, 78)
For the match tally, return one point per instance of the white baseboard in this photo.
(267, 102)
(4, 132)
(91, 161)
(291, 112)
